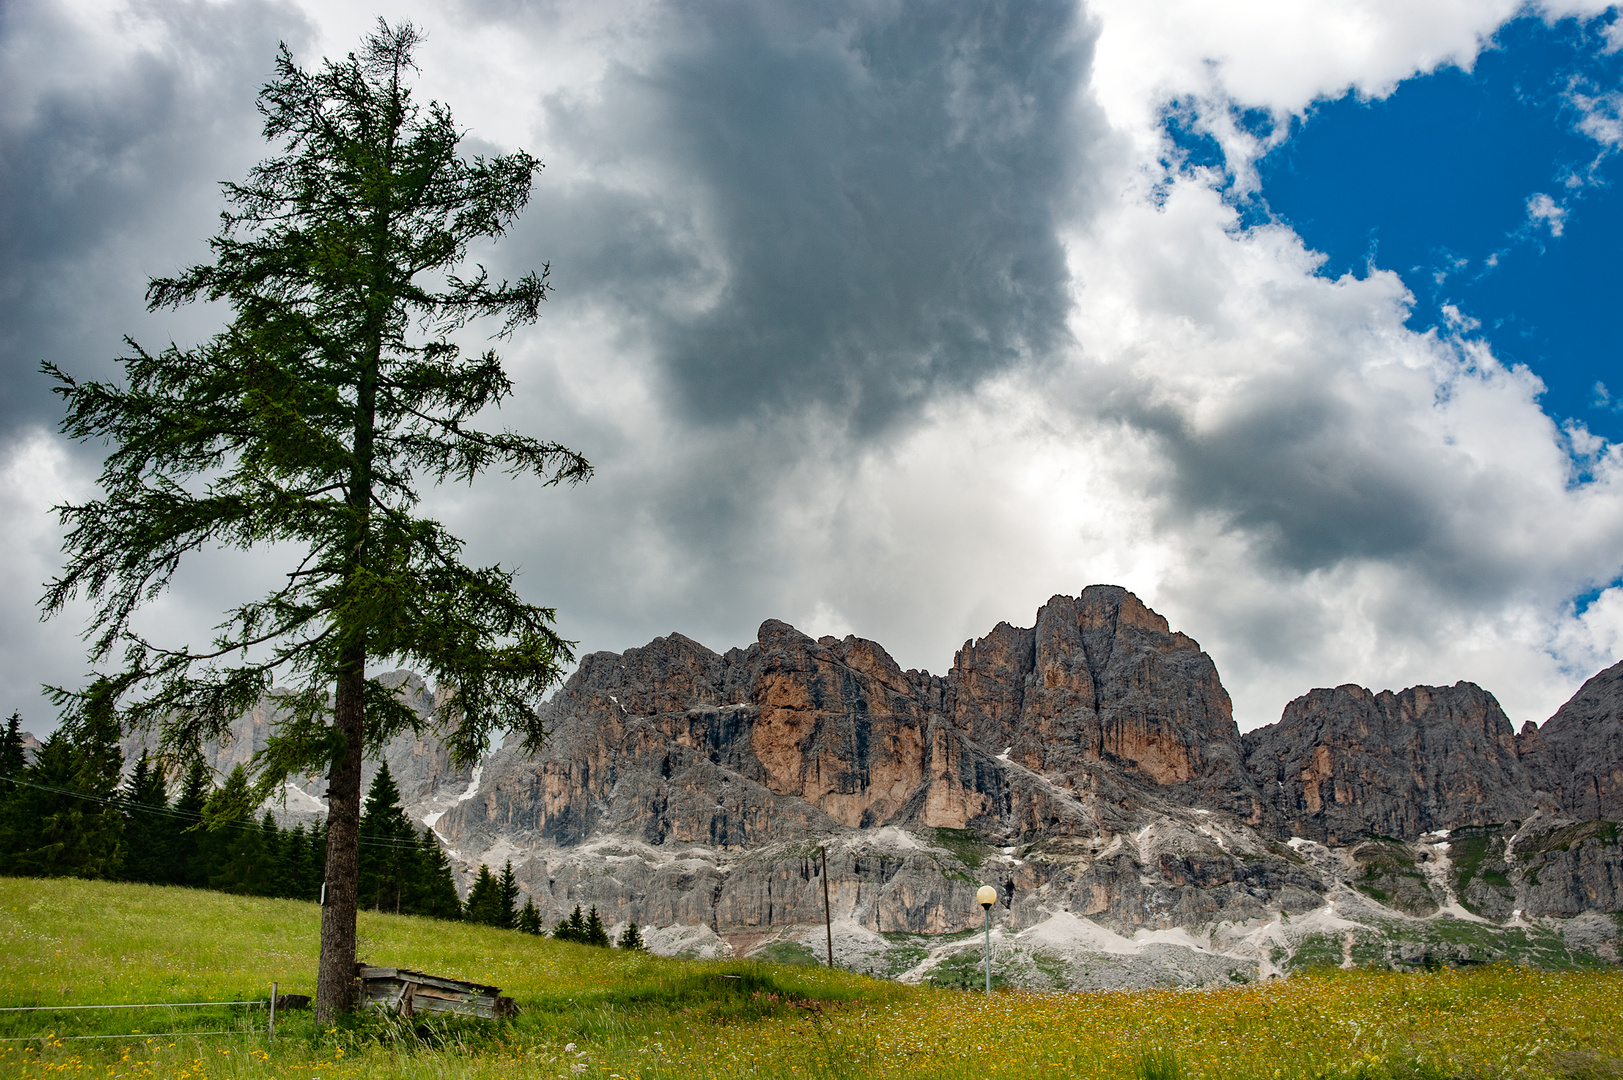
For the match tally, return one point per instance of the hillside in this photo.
(600, 1014)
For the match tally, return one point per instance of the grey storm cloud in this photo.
(111, 179)
(867, 197)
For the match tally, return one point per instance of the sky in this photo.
(897, 318)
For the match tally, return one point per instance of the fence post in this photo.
(270, 1029)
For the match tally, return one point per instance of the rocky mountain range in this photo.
(1088, 766)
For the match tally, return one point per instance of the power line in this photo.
(188, 815)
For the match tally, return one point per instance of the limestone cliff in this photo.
(1577, 756)
(1346, 763)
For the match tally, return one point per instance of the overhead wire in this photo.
(188, 815)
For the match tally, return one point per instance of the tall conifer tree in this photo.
(484, 900)
(12, 758)
(596, 933)
(64, 820)
(187, 866)
(438, 892)
(388, 847)
(529, 919)
(507, 887)
(229, 845)
(148, 828)
(310, 421)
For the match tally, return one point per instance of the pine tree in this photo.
(148, 828)
(270, 877)
(438, 893)
(311, 422)
(64, 820)
(484, 900)
(316, 862)
(229, 845)
(388, 846)
(12, 758)
(189, 865)
(596, 933)
(572, 928)
(529, 919)
(631, 938)
(296, 859)
(509, 896)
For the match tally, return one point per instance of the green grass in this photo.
(787, 952)
(603, 1015)
(1564, 839)
(966, 845)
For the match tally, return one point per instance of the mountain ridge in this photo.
(1088, 766)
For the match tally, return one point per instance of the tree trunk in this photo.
(335, 978)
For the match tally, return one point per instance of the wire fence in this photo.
(51, 1037)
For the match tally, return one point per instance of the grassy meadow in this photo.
(590, 1013)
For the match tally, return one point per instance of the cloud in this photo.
(116, 127)
(846, 206)
(888, 317)
(1544, 212)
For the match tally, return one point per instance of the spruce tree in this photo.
(310, 422)
(596, 933)
(188, 866)
(631, 938)
(437, 896)
(12, 758)
(148, 828)
(316, 839)
(508, 886)
(270, 879)
(572, 928)
(64, 820)
(484, 900)
(230, 846)
(388, 846)
(529, 919)
(296, 860)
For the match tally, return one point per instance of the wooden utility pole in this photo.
(828, 922)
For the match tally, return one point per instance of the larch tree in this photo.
(309, 422)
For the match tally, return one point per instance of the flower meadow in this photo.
(588, 1013)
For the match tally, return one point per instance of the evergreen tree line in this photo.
(493, 900)
(68, 814)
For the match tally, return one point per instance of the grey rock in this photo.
(1346, 763)
(1577, 755)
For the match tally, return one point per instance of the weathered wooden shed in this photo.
(408, 993)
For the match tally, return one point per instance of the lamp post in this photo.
(986, 896)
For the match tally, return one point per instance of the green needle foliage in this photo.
(310, 421)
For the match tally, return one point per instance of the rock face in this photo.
(1346, 762)
(1071, 740)
(1577, 756)
(1102, 688)
(421, 767)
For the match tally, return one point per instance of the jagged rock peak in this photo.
(1577, 756)
(1347, 762)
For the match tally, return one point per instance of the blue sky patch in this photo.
(1481, 191)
